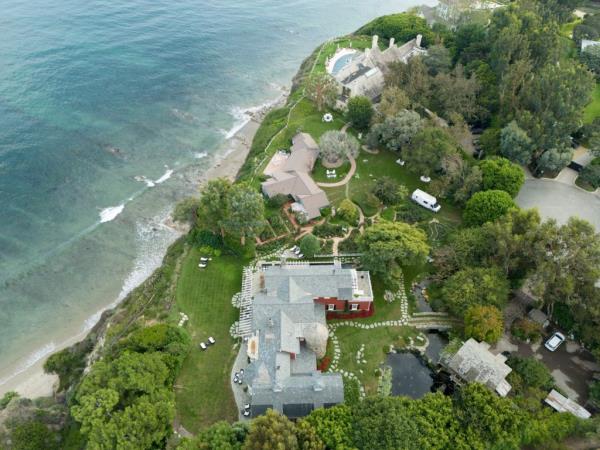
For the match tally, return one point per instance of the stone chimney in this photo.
(392, 42)
(419, 39)
(375, 42)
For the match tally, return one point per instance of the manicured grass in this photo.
(202, 390)
(336, 195)
(567, 28)
(319, 173)
(376, 342)
(370, 167)
(304, 118)
(592, 110)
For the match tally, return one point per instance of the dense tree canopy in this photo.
(396, 132)
(336, 146)
(403, 27)
(591, 58)
(220, 436)
(515, 144)
(212, 210)
(428, 149)
(389, 191)
(393, 101)
(531, 372)
(501, 174)
(127, 401)
(322, 89)
(360, 112)
(473, 286)
(348, 211)
(310, 245)
(484, 323)
(487, 206)
(333, 426)
(388, 244)
(271, 431)
(245, 212)
(438, 59)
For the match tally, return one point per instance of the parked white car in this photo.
(425, 200)
(555, 341)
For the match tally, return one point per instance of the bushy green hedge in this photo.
(403, 27)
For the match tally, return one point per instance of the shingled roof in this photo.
(294, 179)
(291, 331)
(475, 363)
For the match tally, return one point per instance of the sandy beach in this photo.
(33, 382)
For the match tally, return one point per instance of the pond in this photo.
(411, 376)
(437, 341)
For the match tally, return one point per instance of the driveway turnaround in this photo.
(560, 201)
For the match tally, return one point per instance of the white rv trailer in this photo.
(425, 200)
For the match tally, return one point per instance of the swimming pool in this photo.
(342, 62)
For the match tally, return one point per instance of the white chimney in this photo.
(419, 39)
(375, 41)
(392, 42)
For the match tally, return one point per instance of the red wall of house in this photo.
(332, 315)
(343, 305)
(340, 305)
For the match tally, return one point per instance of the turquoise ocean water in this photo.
(109, 111)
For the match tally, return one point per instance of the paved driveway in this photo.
(559, 201)
(571, 367)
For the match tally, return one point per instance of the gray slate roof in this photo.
(364, 75)
(284, 313)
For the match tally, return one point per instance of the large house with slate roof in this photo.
(289, 333)
(363, 73)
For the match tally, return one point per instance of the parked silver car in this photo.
(555, 341)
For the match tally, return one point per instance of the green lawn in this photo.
(370, 167)
(304, 118)
(336, 195)
(593, 109)
(202, 391)
(319, 173)
(567, 28)
(376, 340)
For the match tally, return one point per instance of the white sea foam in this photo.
(243, 115)
(145, 180)
(200, 155)
(153, 237)
(33, 358)
(165, 176)
(111, 213)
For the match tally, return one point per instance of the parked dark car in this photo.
(575, 166)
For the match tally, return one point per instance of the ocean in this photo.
(110, 111)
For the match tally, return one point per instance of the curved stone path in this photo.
(402, 321)
(350, 173)
(346, 179)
